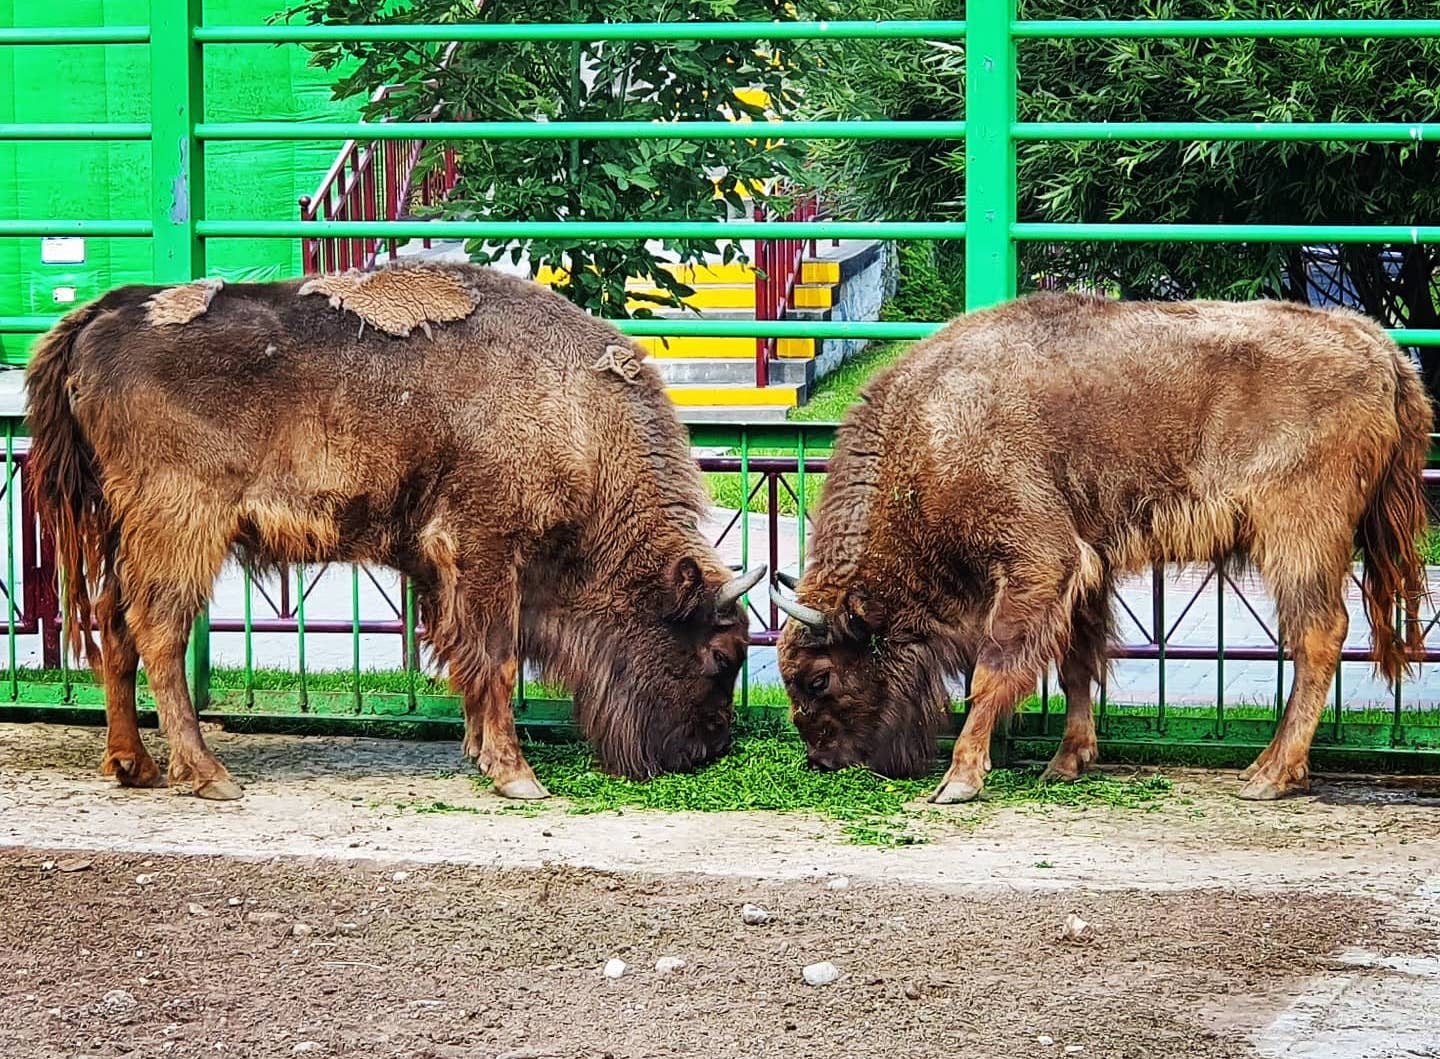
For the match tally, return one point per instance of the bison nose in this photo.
(826, 760)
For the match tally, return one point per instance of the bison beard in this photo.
(511, 455)
(983, 498)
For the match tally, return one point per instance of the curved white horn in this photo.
(731, 591)
(807, 616)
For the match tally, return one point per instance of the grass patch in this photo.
(767, 773)
(840, 389)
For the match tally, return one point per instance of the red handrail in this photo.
(357, 187)
(777, 267)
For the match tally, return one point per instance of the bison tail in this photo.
(64, 479)
(1390, 530)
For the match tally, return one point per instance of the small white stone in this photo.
(118, 1000)
(234, 902)
(348, 928)
(669, 964)
(49, 865)
(264, 919)
(1075, 929)
(300, 930)
(614, 969)
(143, 880)
(1074, 1049)
(196, 910)
(400, 876)
(305, 1046)
(840, 882)
(1045, 1039)
(754, 915)
(821, 973)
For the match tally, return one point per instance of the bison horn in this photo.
(807, 616)
(731, 591)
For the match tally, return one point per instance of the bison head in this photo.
(862, 691)
(666, 700)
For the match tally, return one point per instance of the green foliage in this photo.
(931, 286)
(839, 390)
(539, 180)
(1347, 80)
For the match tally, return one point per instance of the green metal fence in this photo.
(770, 474)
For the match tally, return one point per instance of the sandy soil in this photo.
(1220, 928)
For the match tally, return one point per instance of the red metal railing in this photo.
(777, 267)
(373, 181)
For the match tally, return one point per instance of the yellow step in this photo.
(820, 272)
(813, 296)
(730, 396)
(704, 348)
(734, 273)
(795, 348)
(706, 296)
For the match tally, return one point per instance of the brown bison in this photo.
(995, 482)
(512, 455)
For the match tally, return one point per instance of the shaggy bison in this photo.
(993, 484)
(512, 455)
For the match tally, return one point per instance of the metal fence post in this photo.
(990, 90)
(177, 200)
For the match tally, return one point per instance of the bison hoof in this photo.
(220, 789)
(138, 770)
(1069, 765)
(522, 788)
(1266, 787)
(470, 746)
(955, 792)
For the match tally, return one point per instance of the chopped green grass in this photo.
(767, 772)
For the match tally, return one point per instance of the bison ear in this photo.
(860, 616)
(687, 588)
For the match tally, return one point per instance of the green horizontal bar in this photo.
(584, 229)
(778, 328)
(878, 329)
(75, 131)
(581, 130)
(1226, 233)
(588, 31)
(75, 35)
(1261, 131)
(1236, 29)
(26, 325)
(96, 229)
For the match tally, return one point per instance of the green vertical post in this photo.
(177, 201)
(990, 182)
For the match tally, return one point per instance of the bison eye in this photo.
(818, 685)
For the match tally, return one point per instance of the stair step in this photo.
(704, 348)
(736, 414)
(686, 371)
(721, 396)
(706, 296)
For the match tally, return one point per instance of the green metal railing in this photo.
(749, 476)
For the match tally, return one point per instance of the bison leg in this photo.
(125, 755)
(1080, 669)
(476, 633)
(1029, 623)
(168, 566)
(1284, 766)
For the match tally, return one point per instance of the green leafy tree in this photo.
(641, 81)
(1349, 80)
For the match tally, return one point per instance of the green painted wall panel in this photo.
(99, 180)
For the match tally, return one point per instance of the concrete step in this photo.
(677, 371)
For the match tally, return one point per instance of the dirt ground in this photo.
(1216, 927)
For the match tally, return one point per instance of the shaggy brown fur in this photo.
(543, 508)
(999, 477)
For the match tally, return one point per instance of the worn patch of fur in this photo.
(625, 361)
(180, 305)
(396, 300)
